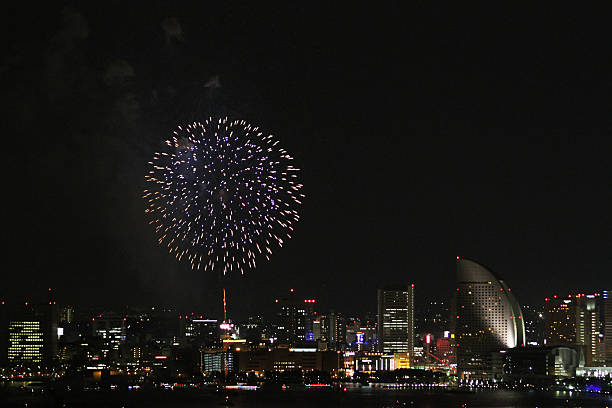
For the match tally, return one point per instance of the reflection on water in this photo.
(358, 397)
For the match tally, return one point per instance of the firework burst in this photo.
(222, 195)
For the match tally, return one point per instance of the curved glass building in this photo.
(488, 318)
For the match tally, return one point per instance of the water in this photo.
(359, 397)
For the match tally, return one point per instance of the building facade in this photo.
(396, 319)
(294, 319)
(575, 321)
(607, 306)
(488, 318)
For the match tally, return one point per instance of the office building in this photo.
(607, 311)
(294, 319)
(29, 334)
(560, 321)
(25, 341)
(396, 319)
(535, 362)
(196, 330)
(575, 321)
(587, 328)
(110, 327)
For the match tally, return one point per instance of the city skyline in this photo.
(416, 143)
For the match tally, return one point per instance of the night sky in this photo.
(422, 134)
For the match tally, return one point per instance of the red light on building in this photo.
(275, 300)
(291, 290)
(457, 316)
(428, 338)
(412, 285)
(457, 257)
(547, 299)
(555, 296)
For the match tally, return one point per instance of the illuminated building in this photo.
(217, 361)
(336, 336)
(294, 319)
(560, 321)
(587, 328)
(289, 359)
(523, 363)
(432, 317)
(369, 362)
(67, 315)
(330, 330)
(367, 335)
(29, 334)
(607, 306)
(488, 318)
(199, 331)
(574, 321)
(25, 341)
(396, 319)
(534, 325)
(443, 348)
(111, 328)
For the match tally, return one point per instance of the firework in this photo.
(222, 195)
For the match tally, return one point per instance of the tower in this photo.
(488, 318)
(396, 319)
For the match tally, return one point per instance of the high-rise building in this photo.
(607, 306)
(336, 330)
(575, 321)
(67, 315)
(200, 331)
(294, 319)
(29, 333)
(488, 318)
(396, 319)
(534, 324)
(560, 321)
(110, 327)
(587, 328)
(25, 341)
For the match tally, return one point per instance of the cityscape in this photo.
(261, 204)
(479, 337)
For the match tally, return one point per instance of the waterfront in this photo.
(362, 397)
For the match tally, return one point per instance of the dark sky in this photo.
(422, 134)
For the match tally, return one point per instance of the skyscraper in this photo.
(396, 319)
(294, 319)
(25, 341)
(587, 328)
(607, 306)
(30, 334)
(560, 321)
(488, 318)
(574, 321)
